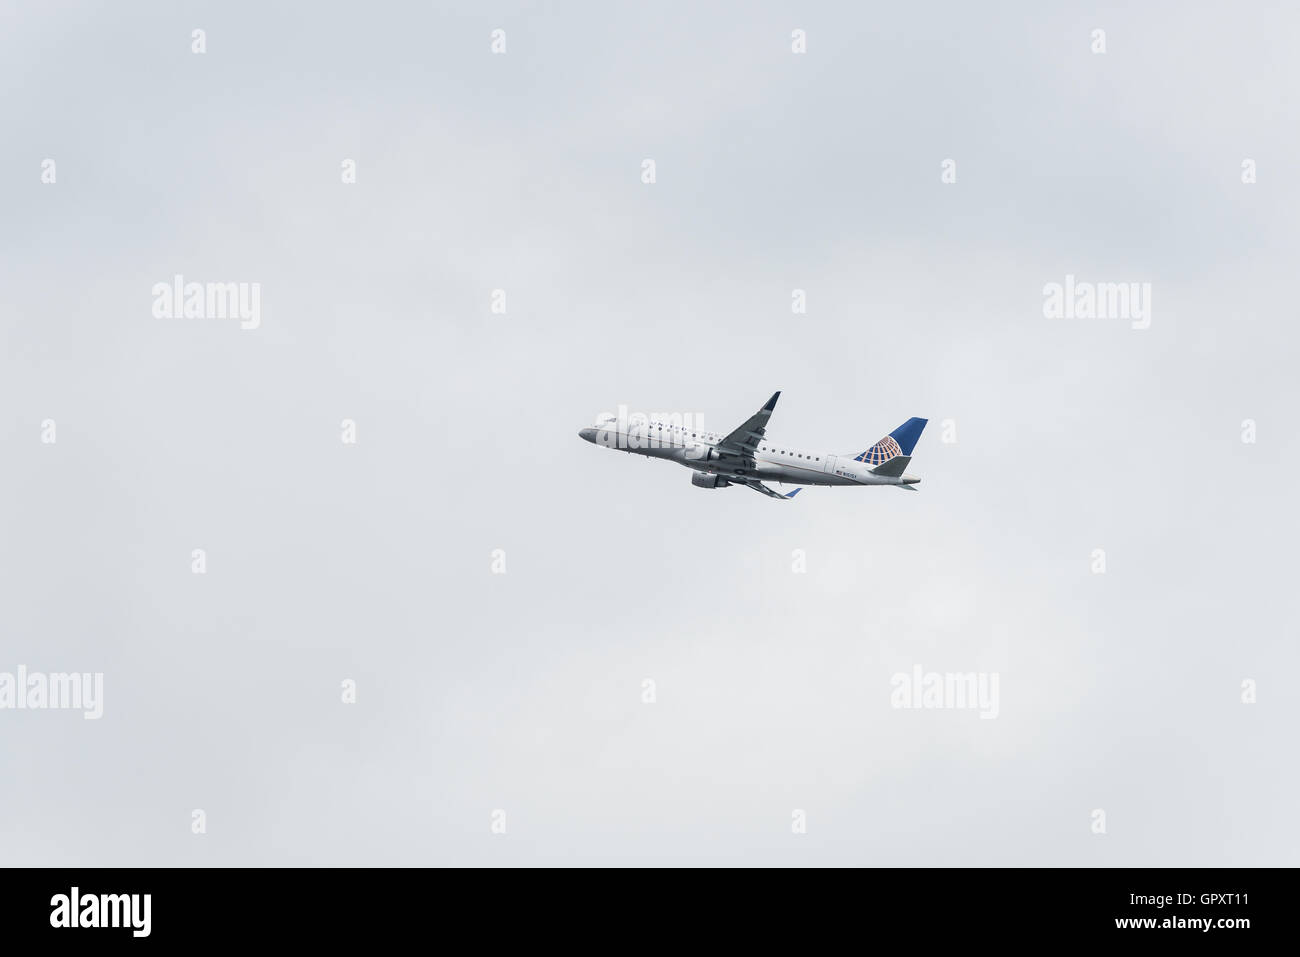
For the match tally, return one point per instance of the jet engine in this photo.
(695, 452)
(704, 480)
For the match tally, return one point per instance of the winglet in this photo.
(771, 403)
(794, 493)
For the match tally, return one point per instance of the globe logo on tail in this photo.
(881, 452)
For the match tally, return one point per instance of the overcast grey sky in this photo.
(522, 692)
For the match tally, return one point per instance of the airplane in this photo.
(746, 456)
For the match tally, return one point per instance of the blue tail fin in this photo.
(899, 442)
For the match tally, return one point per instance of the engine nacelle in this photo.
(705, 480)
(696, 452)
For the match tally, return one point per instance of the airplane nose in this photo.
(588, 435)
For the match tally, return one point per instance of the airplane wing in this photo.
(744, 440)
(758, 486)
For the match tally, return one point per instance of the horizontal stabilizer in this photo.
(893, 468)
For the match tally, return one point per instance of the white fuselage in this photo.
(774, 460)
